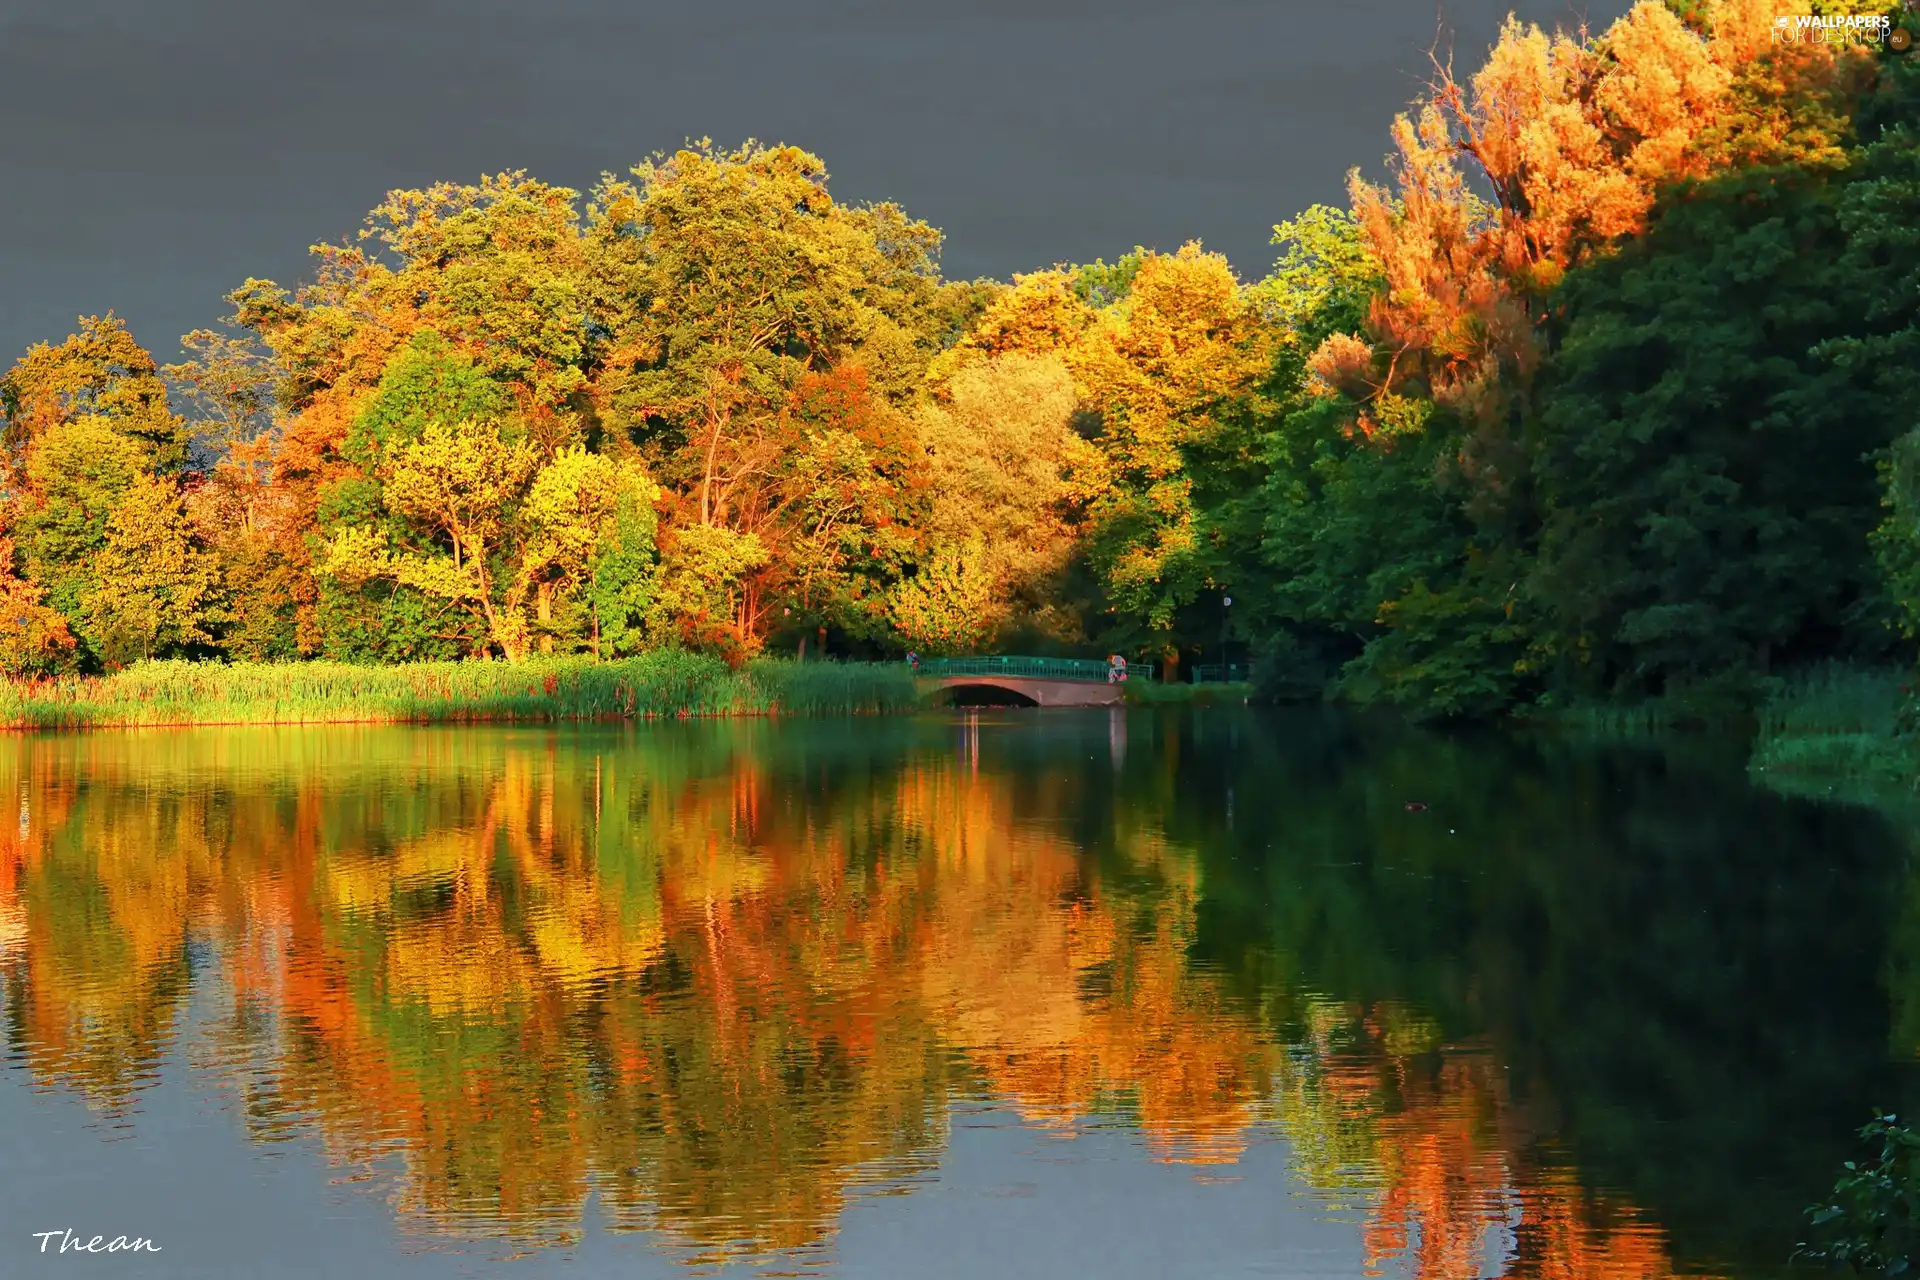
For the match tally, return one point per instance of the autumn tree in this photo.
(1493, 413)
(153, 590)
(490, 532)
(951, 605)
(497, 271)
(34, 639)
(1168, 368)
(454, 503)
(95, 510)
(1001, 528)
(100, 374)
(739, 278)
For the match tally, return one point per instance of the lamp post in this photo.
(1226, 608)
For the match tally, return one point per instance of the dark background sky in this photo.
(157, 152)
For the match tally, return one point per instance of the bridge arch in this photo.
(985, 691)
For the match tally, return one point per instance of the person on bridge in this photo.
(913, 660)
(1116, 669)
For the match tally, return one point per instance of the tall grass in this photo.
(1837, 729)
(1154, 693)
(1605, 720)
(665, 684)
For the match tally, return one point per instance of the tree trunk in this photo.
(706, 480)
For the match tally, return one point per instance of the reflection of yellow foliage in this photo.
(532, 969)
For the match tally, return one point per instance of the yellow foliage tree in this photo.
(1001, 445)
(153, 588)
(950, 606)
(491, 531)
(1166, 368)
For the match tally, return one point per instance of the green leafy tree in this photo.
(466, 512)
(623, 576)
(588, 534)
(1367, 582)
(366, 612)
(1703, 475)
(1880, 216)
(1870, 1226)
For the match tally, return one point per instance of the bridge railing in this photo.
(1024, 668)
(1222, 673)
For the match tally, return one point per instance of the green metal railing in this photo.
(1027, 668)
(1222, 673)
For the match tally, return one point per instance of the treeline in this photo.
(1607, 393)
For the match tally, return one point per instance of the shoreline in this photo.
(655, 686)
(651, 687)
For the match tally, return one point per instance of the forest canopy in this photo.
(1605, 392)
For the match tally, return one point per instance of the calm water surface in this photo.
(1048, 994)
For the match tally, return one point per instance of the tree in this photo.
(94, 511)
(949, 606)
(152, 590)
(428, 382)
(589, 527)
(476, 521)
(702, 572)
(454, 490)
(623, 576)
(1704, 477)
(1001, 444)
(75, 474)
(852, 508)
(1167, 368)
(34, 639)
(740, 278)
(99, 373)
(1571, 137)
(1879, 214)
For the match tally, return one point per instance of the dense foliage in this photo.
(1867, 1227)
(1604, 394)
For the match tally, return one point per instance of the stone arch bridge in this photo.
(1043, 682)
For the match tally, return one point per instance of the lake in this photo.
(1112, 993)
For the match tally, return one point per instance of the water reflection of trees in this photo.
(728, 976)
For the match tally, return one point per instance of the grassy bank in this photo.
(542, 689)
(1841, 731)
(1152, 693)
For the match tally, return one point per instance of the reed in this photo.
(654, 685)
(1839, 727)
(1154, 693)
